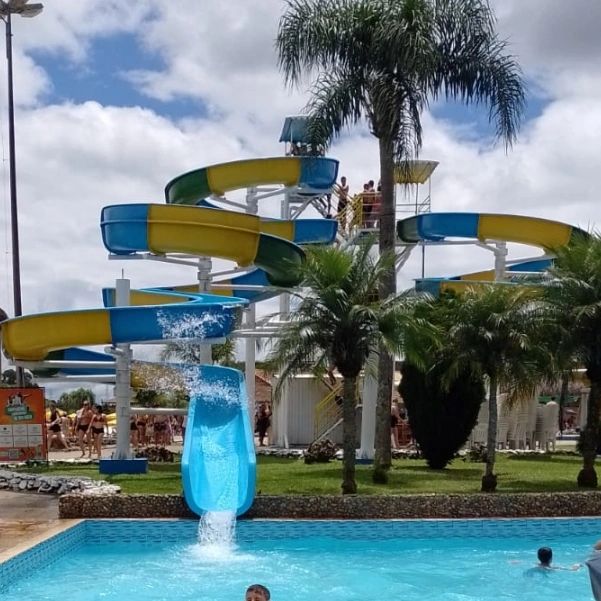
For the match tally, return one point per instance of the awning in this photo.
(295, 130)
(594, 570)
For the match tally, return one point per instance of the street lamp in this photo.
(7, 9)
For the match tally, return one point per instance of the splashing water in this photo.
(191, 325)
(217, 533)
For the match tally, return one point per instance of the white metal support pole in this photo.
(282, 432)
(204, 285)
(122, 380)
(250, 344)
(368, 407)
(500, 251)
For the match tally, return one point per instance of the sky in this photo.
(114, 99)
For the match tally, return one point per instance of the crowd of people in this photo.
(89, 427)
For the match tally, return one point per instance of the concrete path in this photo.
(24, 517)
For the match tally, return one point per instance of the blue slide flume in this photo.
(218, 462)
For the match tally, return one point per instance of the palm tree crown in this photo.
(339, 319)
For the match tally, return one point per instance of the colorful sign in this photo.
(22, 425)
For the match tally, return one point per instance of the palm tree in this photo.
(338, 322)
(192, 354)
(574, 297)
(495, 331)
(383, 61)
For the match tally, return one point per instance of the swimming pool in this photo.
(442, 560)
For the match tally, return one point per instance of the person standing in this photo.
(263, 423)
(342, 191)
(82, 423)
(96, 430)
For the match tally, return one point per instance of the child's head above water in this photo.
(257, 592)
(545, 555)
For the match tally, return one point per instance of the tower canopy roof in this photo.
(295, 130)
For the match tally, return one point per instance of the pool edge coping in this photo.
(59, 526)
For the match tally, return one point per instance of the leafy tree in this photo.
(339, 321)
(189, 353)
(441, 414)
(383, 61)
(73, 400)
(495, 331)
(574, 301)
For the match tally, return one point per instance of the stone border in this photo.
(54, 484)
(496, 505)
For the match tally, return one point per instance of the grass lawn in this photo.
(275, 476)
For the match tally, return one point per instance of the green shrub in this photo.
(441, 420)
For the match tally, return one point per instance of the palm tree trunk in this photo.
(383, 457)
(587, 477)
(349, 435)
(489, 480)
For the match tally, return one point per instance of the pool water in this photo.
(441, 568)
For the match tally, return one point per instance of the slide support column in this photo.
(500, 251)
(204, 285)
(282, 440)
(250, 345)
(122, 380)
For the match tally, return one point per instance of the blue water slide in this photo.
(218, 462)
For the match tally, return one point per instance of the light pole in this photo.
(7, 9)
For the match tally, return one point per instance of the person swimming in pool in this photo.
(545, 557)
(257, 592)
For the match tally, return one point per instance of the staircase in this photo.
(328, 413)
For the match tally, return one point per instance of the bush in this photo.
(477, 454)
(320, 451)
(156, 455)
(441, 420)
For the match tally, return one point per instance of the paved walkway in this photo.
(24, 518)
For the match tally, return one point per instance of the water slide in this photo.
(439, 227)
(220, 432)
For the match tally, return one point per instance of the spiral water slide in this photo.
(218, 464)
(482, 227)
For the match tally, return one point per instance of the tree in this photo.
(339, 320)
(496, 332)
(193, 354)
(442, 414)
(73, 400)
(574, 300)
(9, 378)
(383, 61)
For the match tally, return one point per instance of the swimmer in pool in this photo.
(257, 592)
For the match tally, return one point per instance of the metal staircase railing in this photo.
(328, 413)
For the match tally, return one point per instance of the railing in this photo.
(328, 412)
(355, 214)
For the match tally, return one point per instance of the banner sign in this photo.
(22, 425)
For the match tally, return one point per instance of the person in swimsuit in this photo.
(96, 430)
(55, 431)
(263, 423)
(160, 430)
(134, 436)
(82, 423)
